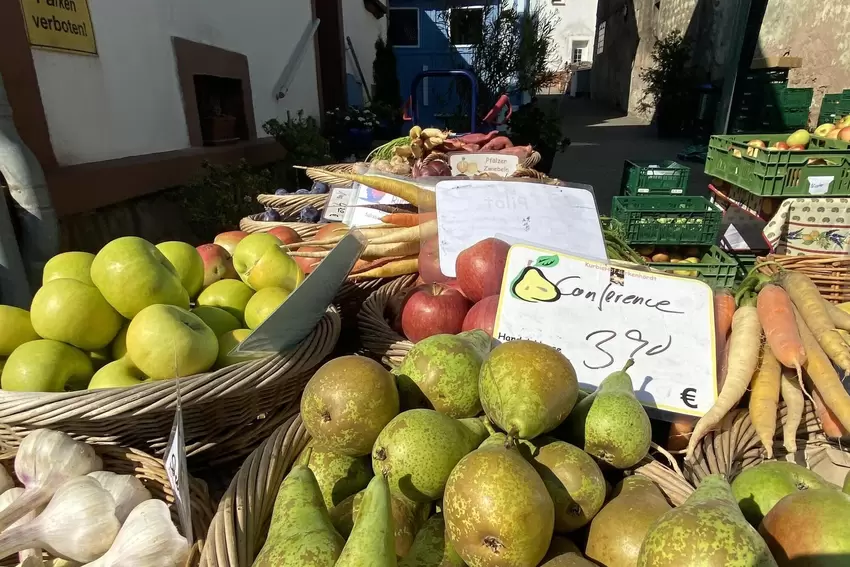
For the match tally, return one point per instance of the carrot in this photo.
(823, 374)
(793, 397)
(410, 192)
(401, 219)
(365, 231)
(832, 428)
(724, 308)
(810, 304)
(409, 234)
(371, 250)
(744, 345)
(776, 316)
(377, 263)
(840, 319)
(409, 265)
(764, 398)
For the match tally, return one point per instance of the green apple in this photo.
(229, 341)
(100, 358)
(230, 295)
(759, 488)
(824, 129)
(15, 329)
(188, 263)
(118, 348)
(164, 341)
(117, 374)
(261, 263)
(74, 265)
(45, 366)
(264, 303)
(75, 313)
(799, 138)
(217, 319)
(132, 274)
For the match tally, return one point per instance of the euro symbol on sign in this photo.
(688, 397)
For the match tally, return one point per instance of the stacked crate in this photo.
(768, 105)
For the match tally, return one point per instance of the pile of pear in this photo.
(465, 455)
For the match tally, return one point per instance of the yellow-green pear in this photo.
(74, 265)
(132, 274)
(217, 319)
(75, 313)
(230, 295)
(45, 366)
(165, 341)
(261, 263)
(15, 329)
(117, 374)
(188, 263)
(264, 303)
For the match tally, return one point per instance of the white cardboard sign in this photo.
(359, 214)
(469, 211)
(337, 204)
(466, 163)
(600, 315)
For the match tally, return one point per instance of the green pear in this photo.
(527, 388)
(846, 487)
(342, 515)
(408, 517)
(45, 366)
(217, 319)
(187, 262)
(73, 265)
(611, 424)
(708, 530)
(417, 451)
(430, 548)
(564, 553)
(301, 533)
(15, 329)
(497, 509)
(339, 476)
(618, 530)
(760, 488)
(372, 541)
(441, 372)
(132, 274)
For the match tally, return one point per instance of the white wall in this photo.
(577, 22)
(363, 29)
(127, 101)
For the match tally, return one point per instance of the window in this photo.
(579, 50)
(466, 25)
(403, 28)
(600, 38)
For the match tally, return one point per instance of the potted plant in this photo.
(533, 125)
(350, 130)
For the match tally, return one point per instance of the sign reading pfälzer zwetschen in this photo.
(63, 25)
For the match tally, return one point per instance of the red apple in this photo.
(844, 134)
(780, 146)
(756, 144)
(429, 261)
(482, 315)
(433, 309)
(217, 264)
(285, 234)
(308, 264)
(480, 268)
(331, 230)
(229, 240)
(798, 147)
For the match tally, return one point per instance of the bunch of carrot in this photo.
(783, 338)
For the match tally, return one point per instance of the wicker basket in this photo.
(734, 446)
(304, 229)
(376, 335)
(151, 472)
(325, 174)
(290, 205)
(223, 411)
(666, 474)
(831, 274)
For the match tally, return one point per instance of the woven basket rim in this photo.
(375, 332)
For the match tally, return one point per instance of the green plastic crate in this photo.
(829, 108)
(716, 268)
(796, 98)
(777, 173)
(672, 221)
(745, 261)
(844, 103)
(654, 178)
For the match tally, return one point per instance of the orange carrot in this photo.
(832, 428)
(780, 329)
(401, 219)
(724, 309)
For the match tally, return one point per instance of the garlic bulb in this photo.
(147, 539)
(27, 557)
(79, 523)
(6, 481)
(45, 460)
(127, 490)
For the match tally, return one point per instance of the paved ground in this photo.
(602, 140)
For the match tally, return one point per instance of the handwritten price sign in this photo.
(600, 316)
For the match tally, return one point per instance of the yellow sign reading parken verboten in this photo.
(60, 24)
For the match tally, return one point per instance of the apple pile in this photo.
(468, 302)
(136, 312)
(672, 255)
(838, 131)
(797, 141)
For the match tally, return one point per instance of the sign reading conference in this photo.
(64, 25)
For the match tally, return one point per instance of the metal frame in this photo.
(414, 87)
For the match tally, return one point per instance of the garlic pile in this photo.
(81, 514)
